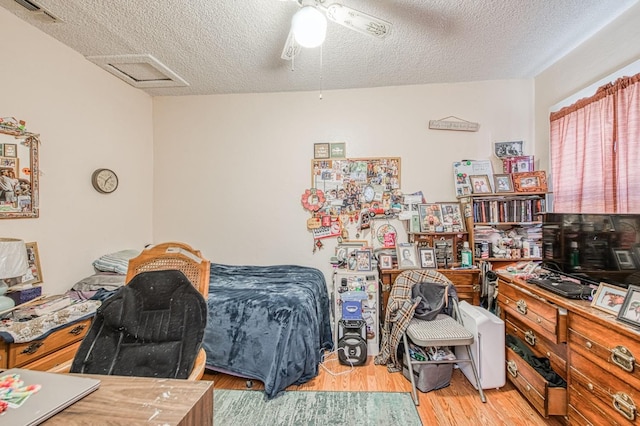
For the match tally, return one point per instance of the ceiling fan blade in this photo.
(291, 48)
(358, 21)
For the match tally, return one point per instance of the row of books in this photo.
(508, 210)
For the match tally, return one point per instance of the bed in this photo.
(269, 323)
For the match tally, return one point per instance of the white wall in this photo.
(611, 49)
(230, 169)
(87, 119)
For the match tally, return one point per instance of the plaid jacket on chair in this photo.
(399, 312)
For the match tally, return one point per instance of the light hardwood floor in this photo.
(458, 404)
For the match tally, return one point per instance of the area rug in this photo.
(307, 408)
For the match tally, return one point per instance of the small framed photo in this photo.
(406, 253)
(34, 273)
(480, 184)
(502, 183)
(10, 150)
(530, 181)
(452, 219)
(363, 260)
(430, 217)
(609, 298)
(428, 257)
(624, 259)
(386, 261)
(508, 149)
(321, 150)
(630, 310)
(338, 150)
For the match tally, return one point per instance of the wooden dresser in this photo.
(43, 354)
(466, 282)
(589, 348)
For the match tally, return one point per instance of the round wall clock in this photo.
(104, 181)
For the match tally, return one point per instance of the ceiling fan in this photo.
(343, 15)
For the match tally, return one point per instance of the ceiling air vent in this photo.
(142, 71)
(37, 12)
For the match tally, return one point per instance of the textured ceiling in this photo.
(234, 46)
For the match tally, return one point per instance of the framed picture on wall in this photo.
(321, 150)
(363, 260)
(10, 150)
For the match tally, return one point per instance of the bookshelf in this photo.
(505, 227)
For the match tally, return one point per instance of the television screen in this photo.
(593, 247)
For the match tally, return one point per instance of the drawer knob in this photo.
(623, 404)
(77, 329)
(589, 345)
(512, 368)
(32, 348)
(623, 358)
(530, 337)
(521, 306)
(590, 386)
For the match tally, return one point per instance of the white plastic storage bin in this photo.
(488, 348)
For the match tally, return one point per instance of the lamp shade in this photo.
(309, 27)
(13, 258)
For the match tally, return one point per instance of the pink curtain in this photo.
(628, 155)
(595, 151)
(581, 153)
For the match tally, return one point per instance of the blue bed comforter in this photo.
(269, 323)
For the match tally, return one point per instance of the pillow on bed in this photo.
(106, 280)
(117, 262)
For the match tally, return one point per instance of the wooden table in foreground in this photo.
(141, 400)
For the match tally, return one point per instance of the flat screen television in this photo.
(593, 247)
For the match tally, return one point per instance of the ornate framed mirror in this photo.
(18, 170)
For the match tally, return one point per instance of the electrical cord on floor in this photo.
(333, 356)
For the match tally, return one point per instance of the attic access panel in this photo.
(141, 71)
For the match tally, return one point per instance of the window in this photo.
(595, 151)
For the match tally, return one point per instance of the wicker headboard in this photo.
(173, 255)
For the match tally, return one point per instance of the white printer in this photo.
(488, 349)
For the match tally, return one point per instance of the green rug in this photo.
(302, 408)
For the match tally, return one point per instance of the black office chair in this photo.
(152, 327)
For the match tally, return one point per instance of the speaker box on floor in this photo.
(352, 342)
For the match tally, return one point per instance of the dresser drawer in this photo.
(616, 354)
(539, 315)
(466, 284)
(555, 352)
(54, 359)
(598, 395)
(576, 418)
(549, 401)
(25, 353)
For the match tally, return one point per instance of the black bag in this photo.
(433, 299)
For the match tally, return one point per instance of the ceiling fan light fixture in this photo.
(309, 27)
